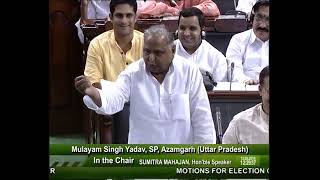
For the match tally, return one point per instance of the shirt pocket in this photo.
(179, 107)
(252, 63)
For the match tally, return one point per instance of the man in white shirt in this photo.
(93, 9)
(245, 6)
(191, 45)
(249, 50)
(168, 101)
(252, 125)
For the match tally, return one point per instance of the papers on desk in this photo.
(170, 18)
(238, 16)
(235, 86)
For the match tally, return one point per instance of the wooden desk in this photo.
(230, 104)
(219, 30)
(224, 23)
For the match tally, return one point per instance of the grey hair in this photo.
(159, 30)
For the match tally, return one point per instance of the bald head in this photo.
(159, 31)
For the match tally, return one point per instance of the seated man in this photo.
(168, 101)
(110, 52)
(157, 8)
(98, 9)
(249, 50)
(252, 125)
(246, 6)
(191, 45)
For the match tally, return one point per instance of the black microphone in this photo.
(231, 74)
(208, 80)
(214, 83)
(235, 12)
(235, 4)
(219, 124)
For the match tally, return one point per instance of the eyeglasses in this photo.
(261, 18)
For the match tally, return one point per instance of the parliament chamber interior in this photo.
(67, 57)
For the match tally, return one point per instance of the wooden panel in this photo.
(64, 64)
(60, 79)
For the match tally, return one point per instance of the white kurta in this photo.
(177, 111)
(208, 58)
(249, 54)
(248, 127)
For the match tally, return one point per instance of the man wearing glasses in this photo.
(249, 50)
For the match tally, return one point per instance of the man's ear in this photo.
(260, 90)
(135, 18)
(110, 17)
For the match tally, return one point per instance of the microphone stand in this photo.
(218, 117)
(231, 74)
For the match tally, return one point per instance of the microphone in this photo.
(235, 7)
(173, 3)
(211, 78)
(219, 124)
(235, 4)
(208, 80)
(235, 12)
(231, 74)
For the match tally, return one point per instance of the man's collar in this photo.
(170, 71)
(254, 38)
(184, 51)
(264, 115)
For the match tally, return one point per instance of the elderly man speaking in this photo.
(168, 101)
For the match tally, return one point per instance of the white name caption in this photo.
(157, 149)
(108, 149)
(222, 170)
(117, 160)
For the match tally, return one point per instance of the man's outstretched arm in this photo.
(83, 85)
